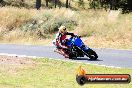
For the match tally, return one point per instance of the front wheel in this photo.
(91, 54)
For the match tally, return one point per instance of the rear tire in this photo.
(72, 55)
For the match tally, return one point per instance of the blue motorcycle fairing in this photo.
(74, 41)
(86, 48)
(77, 42)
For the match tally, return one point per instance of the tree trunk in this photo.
(56, 3)
(66, 3)
(47, 3)
(38, 4)
(69, 3)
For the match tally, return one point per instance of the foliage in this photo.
(111, 4)
(46, 23)
(74, 4)
(17, 3)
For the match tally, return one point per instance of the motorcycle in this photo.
(76, 48)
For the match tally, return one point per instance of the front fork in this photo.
(84, 49)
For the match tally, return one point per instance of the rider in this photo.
(60, 40)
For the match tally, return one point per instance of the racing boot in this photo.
(66, 56)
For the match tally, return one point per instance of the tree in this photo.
(38, 4)
(114, 4)
(1, 1)
(129, 2)
(47, 1)
(55, 1)
(81, 4)
(67, 4)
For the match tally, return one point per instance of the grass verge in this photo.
(47, 73)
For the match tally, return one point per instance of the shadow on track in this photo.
(86, 59)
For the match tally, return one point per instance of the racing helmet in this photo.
(62, 29)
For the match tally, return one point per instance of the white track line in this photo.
(67, 60)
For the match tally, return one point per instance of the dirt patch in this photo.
(15, 60)
(12, 64)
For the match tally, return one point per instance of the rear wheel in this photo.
(91, 54)
(72, 55)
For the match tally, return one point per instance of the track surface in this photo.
(108, 57)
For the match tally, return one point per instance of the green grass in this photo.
(48, 73)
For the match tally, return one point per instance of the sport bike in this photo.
(76, 48)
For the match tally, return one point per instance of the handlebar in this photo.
(77, 36)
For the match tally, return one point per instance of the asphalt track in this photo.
(107, 57)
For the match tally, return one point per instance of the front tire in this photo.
(91, 54)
